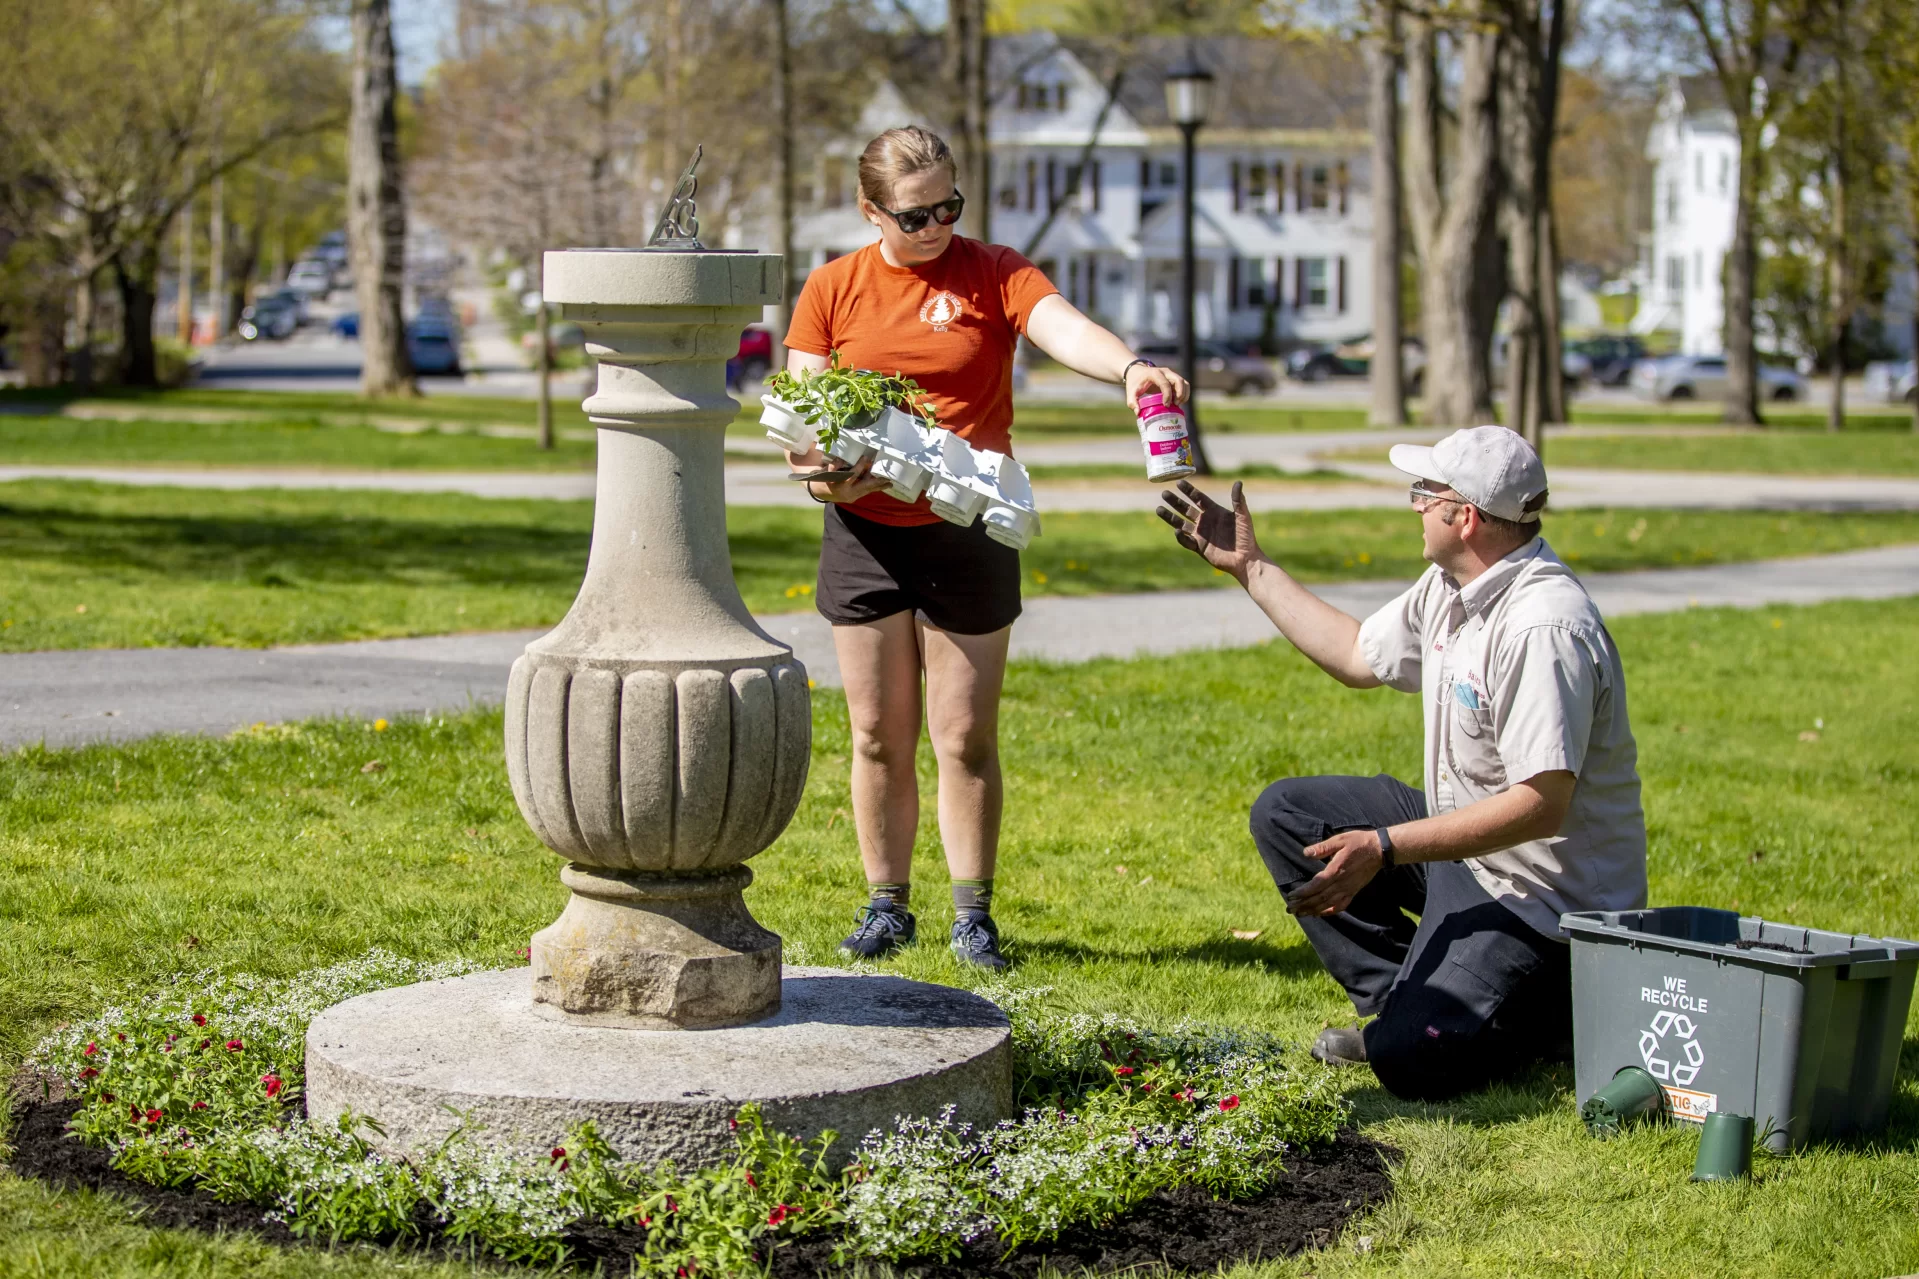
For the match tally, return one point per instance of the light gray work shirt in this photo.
(1520, 678)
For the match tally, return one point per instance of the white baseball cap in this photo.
(1489, 466)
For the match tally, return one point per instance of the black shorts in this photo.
(957, 579)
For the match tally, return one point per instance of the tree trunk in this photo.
(1450, 221)
(1551, 331)
(783, 158)
(1519, 118)
(85, 303)
(136, 270)
(542, 321)
(376, 207)
(1387, 374)
(965, 71)
(183, 298)
(217, 256)
(1741, 266)
(1841, 252)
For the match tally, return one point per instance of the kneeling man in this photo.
(1531, 802)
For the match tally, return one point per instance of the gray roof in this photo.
(1261, 82)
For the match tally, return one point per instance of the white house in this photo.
(1694, 149)
(1283, 213)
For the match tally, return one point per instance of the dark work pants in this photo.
(1469, 994)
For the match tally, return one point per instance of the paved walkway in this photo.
(67, 698)
(765, 484)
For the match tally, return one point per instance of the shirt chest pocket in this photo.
(1470, 743)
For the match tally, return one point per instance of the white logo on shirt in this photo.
(941, 310)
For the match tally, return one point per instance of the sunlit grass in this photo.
(273, 852)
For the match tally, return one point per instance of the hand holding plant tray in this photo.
(834, 398)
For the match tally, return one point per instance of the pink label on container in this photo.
(1159, 448)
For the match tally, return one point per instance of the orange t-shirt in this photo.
(950, 325)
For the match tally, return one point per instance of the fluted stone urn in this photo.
(657, 738)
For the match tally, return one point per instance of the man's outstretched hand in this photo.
(1223, 538)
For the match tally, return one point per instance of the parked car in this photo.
(311, 277)
(1703, 377)
(1612, 356)
(272, 317)
(1220, 368)
(346, 326)
(1892, 383)
(332, 250)
(1355, 359)
(753, 360)
(433, 345)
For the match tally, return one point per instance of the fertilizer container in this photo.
(1797, 1027)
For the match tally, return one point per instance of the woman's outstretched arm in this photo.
(1063, 331)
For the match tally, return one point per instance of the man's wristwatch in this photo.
(1385, 846)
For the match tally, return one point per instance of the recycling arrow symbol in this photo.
(1661, 1060)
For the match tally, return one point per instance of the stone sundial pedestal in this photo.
(656, 740)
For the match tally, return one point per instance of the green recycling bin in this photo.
(1799, 1028)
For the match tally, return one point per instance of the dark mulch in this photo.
(1184, 1229)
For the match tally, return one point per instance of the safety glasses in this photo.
(913, 221)
(1423, 497)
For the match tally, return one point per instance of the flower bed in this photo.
(193, 1100)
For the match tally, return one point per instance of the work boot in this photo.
(879, 933)
(976, 941)
(1340, 1046)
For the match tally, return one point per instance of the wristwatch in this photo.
(1385, 846)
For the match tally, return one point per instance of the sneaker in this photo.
(880, 933)
(976, 942)
(1340, 1046)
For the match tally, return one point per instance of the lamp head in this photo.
(1189, 93)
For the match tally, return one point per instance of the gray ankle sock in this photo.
(891, 897)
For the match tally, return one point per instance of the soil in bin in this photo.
(1184, 1228)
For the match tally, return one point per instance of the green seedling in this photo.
(833, 398)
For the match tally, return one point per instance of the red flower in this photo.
(88, 1073)
(199, 1019)
(1183, 1095)
(558, 1155)
(670, 1205)
(133, 1113)
(1146, 1088)
(120, 1035)
(646, 1223)
(199, 1105)
(107, 1097)
(1229, 1103)
(235, 1045)
(733, 1125)
(752, 1183)
(274, 1084)
(155, 1116)
(781, 1213)
(90, 1049)
(1122, 1070)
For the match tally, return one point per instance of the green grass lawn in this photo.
(104, 566)
(1126, 871)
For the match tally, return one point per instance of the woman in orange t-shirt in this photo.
(910, 595)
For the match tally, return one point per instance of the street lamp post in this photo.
(1189, 94)
(1188, 98)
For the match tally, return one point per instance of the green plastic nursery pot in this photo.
(1725, 1148)
(1632, 1094)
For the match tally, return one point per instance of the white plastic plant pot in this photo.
(785, 426)
(906, 452)
(853, 444)
(1011, 518)
(954, 493)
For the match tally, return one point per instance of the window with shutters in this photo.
(1313, 272)
(1238, 191)
(1342, 180)
(1256, 188)
(1279, 187)
(1168, 173)
(1098, 194)
(1032, 185)
(1319, 188)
